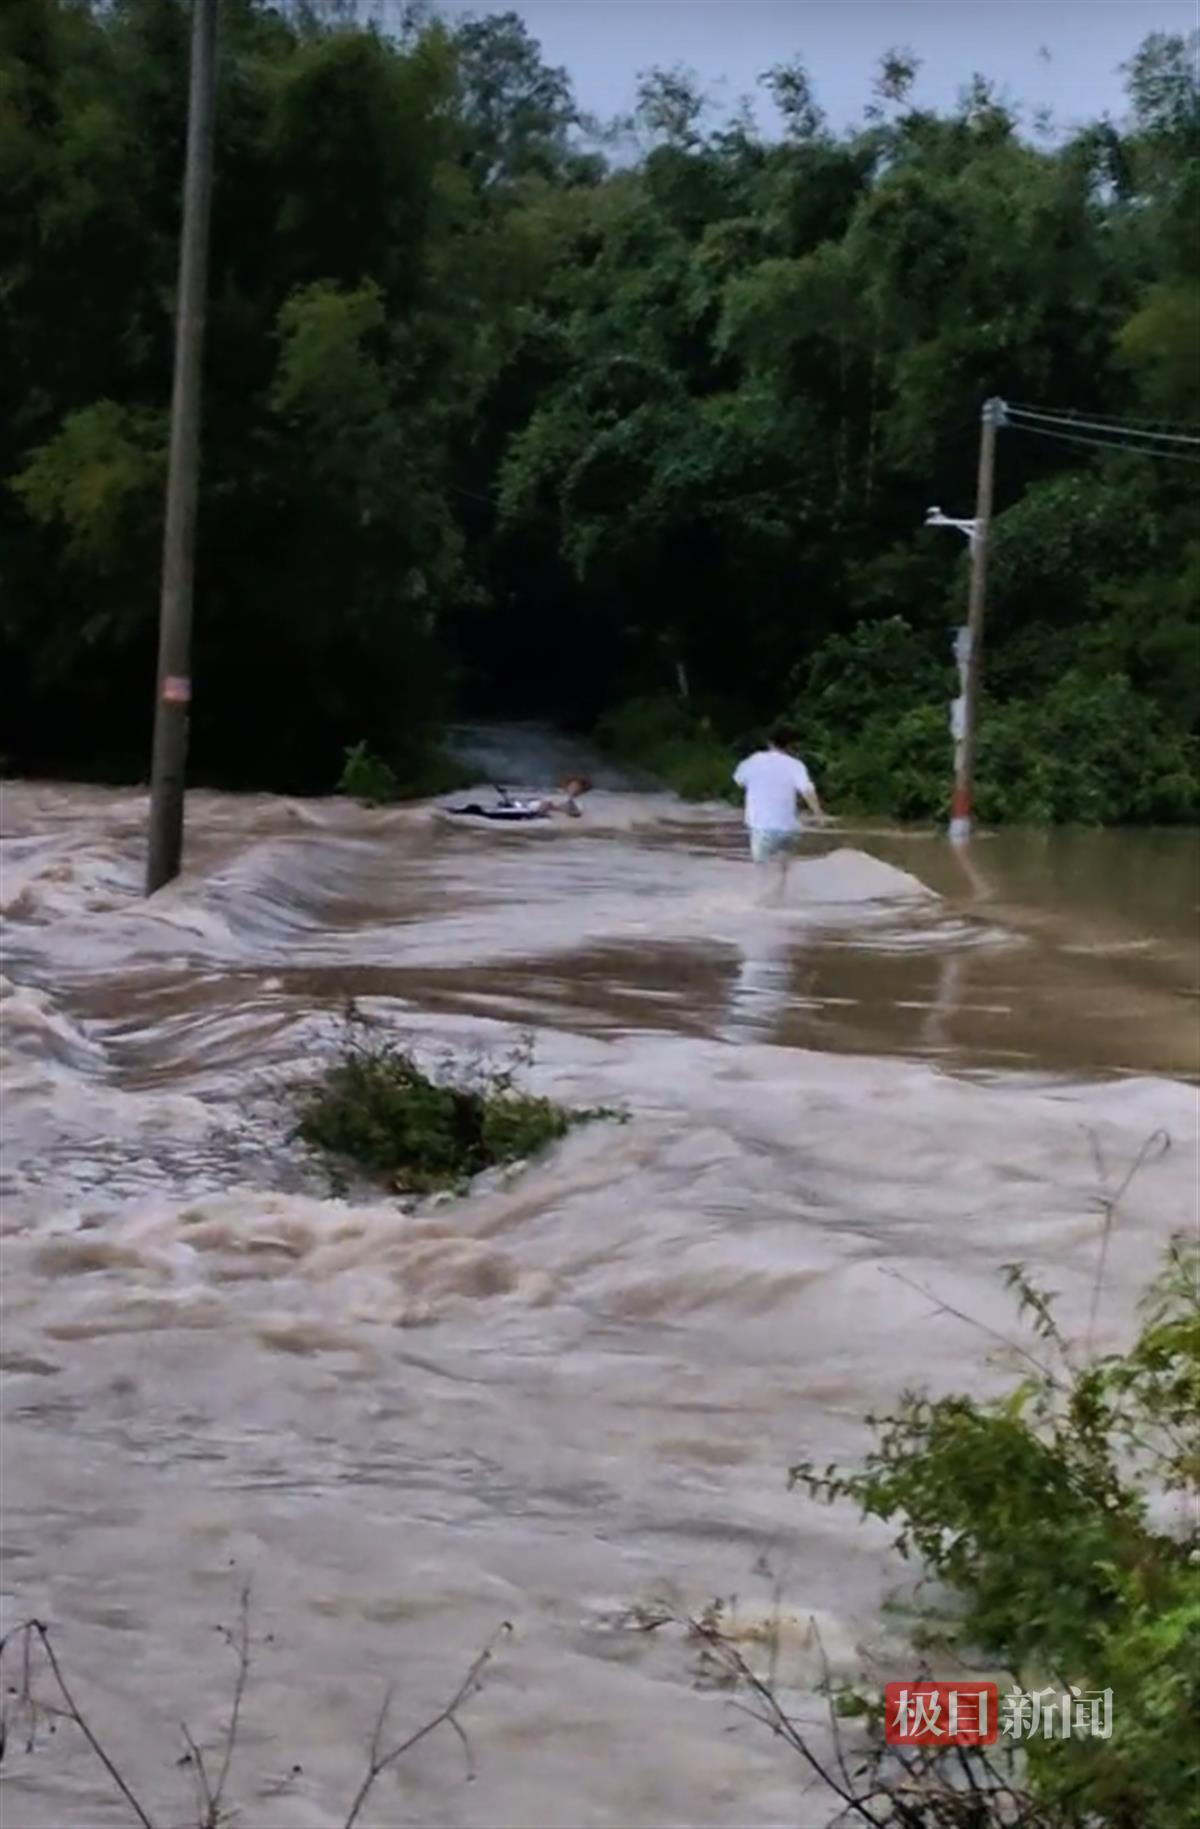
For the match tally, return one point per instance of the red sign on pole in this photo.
(176, 690)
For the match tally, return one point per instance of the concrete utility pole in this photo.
(174, 686)
(964, 774)
(968, 643)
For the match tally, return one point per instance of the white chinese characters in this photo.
(1051, 1714)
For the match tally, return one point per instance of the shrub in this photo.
(1091, 750)
(895, 764)
(1034, 1513)
(377, 1107)
(642, 726)
(1081, 746)
(678, 746)
(366, 777)
(879, 667)
(873, 720)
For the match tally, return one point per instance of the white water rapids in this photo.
(579, 1388)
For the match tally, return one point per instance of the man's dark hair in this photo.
(781, 735)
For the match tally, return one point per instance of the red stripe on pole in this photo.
(960, 805)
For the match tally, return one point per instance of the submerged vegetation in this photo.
(376, 1107)
(368, 778)
(674, 395)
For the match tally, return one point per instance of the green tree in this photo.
(476, 401)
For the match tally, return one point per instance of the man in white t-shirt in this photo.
(772, 781)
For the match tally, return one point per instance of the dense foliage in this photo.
(1043, 1516)
(374, 1106)
(500, 421)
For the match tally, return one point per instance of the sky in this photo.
(1058, 54)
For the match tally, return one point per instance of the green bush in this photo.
(880, 667)
(1034, 1513)
(640, 727)
(1082, 746)
(898, 765)
(435, 772)
(873, 720)
(376, 1107)
(678, 746)
(368, 778)
(1091, 750)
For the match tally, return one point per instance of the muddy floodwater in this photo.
(576, 1390)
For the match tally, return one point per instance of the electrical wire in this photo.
(1105, 444)
(1111, 428)
(777, 493)
(1070, 412)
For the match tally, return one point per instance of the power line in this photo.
(1114, 428)
(1017, 419)
(1071, 413)
(1104, 444)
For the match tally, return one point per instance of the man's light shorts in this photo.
(766, 843)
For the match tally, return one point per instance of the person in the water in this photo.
(510, 811)
(772, 780)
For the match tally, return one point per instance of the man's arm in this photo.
(806, 788)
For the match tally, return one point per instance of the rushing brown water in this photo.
(578, 1388)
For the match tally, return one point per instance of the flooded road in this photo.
(576, 1390)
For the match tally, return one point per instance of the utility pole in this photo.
(174, 683)
(972, 654)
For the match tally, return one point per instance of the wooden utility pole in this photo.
(174, 685)
(964, 772)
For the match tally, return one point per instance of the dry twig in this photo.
(379, 1761)
(35, 1632)
(893, 1788)
(769, 1711)
(1156, 1144)
(211, 1794)
(942, 1307)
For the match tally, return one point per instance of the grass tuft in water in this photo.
(417, 1131)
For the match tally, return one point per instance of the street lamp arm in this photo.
(935, 518)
